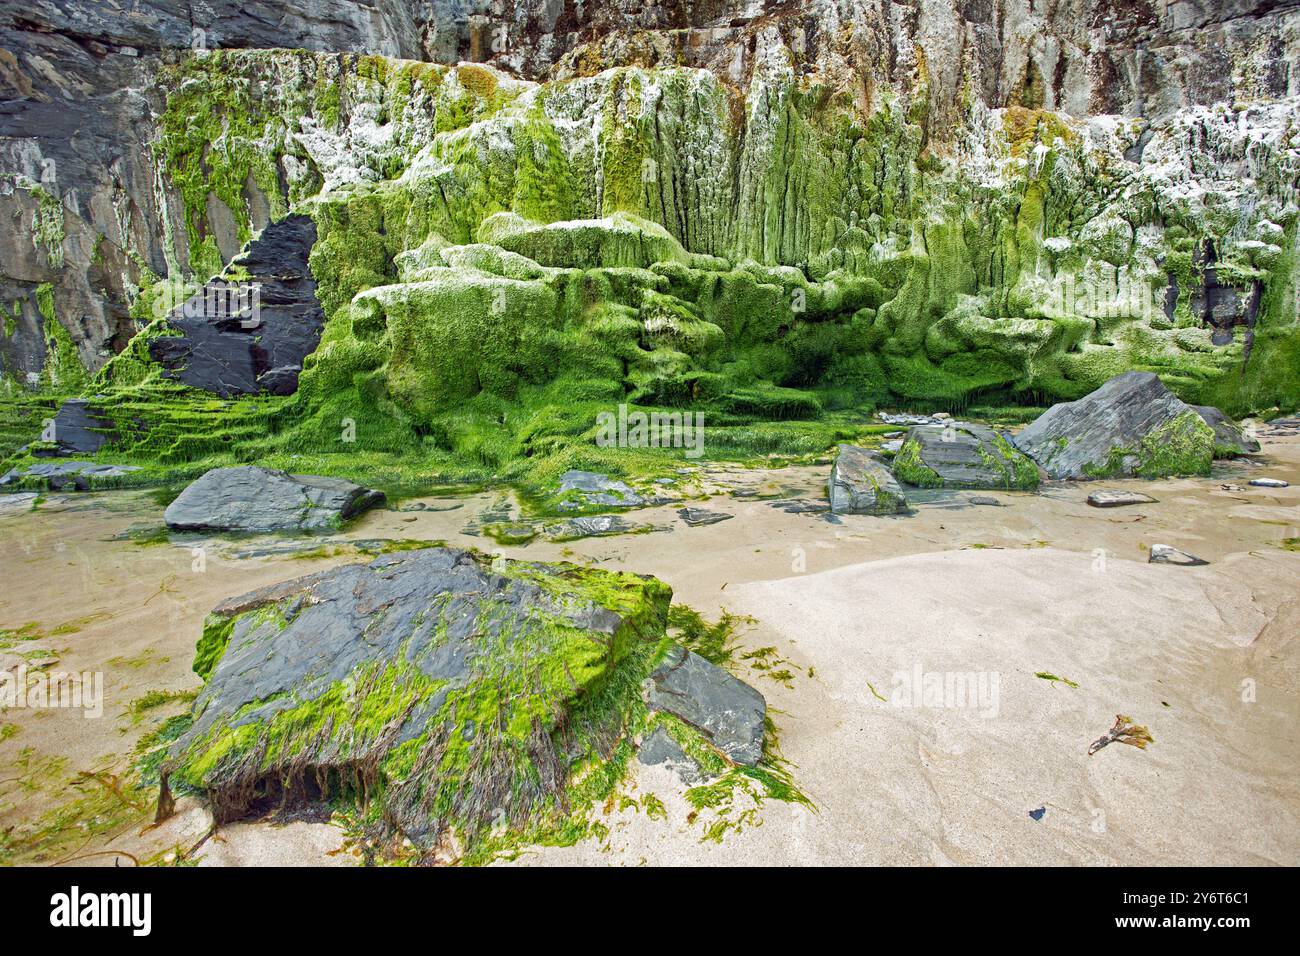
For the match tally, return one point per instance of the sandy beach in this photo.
(853, 612)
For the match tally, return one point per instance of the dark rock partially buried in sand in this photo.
(727, 711)
(450, 688)
(1116, 498)
(1130, 427)
(697, 517)
(659, 749)
(861, 484)
(253, 500)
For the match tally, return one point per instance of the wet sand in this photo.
(1041, 583)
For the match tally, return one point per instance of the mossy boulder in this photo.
(618, 240)
(1131, 426)
(860, 484)
(445, 692)
(962, 455)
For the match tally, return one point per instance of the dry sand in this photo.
(1204, 657)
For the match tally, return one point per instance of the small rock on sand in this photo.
(1114, 498)
(1164, 554)
(861, 484)
(695, 517)
(1269, 483)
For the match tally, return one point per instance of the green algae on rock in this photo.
(453, 697)
(1131, 426)
(963, 455)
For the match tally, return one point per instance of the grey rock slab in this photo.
(696, 517)
(251, 499)
(964, 455)
(861, 484)
(598, 489)
(1164, 554)
(1116, 498)
(1229, 439)
(725, 709)
(659, 749)
(67, 474)
(1079, 439)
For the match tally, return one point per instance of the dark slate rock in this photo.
(696, 517)
(1164, 554)
(659, 748)
(726, 710)
(253, 499)
(1114, 498)
(1101, 434)
(861, 484)
(1228, 437)
(962, 455)
(79, 429)
(227, 354)
(452, 616)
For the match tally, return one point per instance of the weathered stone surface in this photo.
(962, 455)
(1229, 440)
(236, 354)
(1164, 554)
(659, 748)
(593, 488)
(17, 504)
(439, 679)
(252, 499)
(861, 484)
(726, 710)
(597, 526)
(696, 517)
(66, 475)
(1115, 498)
(1130, 426)
(79, 429)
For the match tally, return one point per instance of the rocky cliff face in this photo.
(772, 207)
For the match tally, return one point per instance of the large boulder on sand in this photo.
(1131, 426)
(446, 690)
(962, 455)
(251, 499)
(860, 484)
